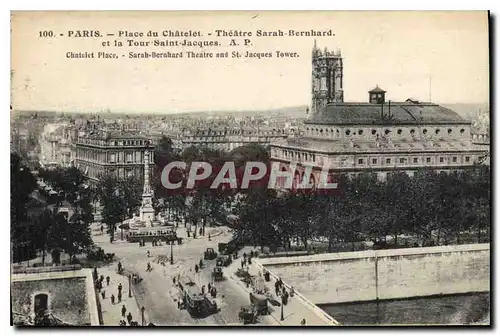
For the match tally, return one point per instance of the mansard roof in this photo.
(409, 112)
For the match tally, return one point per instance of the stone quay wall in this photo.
(386, 274)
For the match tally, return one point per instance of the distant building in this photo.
(230, 138)
(55, 145)
(376, 136)
(116, 152)
(53, 296)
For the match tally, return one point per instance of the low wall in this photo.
(386, 274)
(322, 315)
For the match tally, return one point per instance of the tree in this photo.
(114, 205)
(22, 184)
(77, 236)
(130, 189)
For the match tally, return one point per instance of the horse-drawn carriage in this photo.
(248, 315)
(218, 274)
(224, 260)
(259, 301)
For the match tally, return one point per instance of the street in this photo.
(157, 293)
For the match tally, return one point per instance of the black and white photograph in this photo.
(250, 168)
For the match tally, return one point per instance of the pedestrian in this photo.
(244, 255)
(277, 287)
(129, 318)
(292, 291)
(95, 273)
(202, 289)
(102, 228)
(173, 279)
(242, 263)
(124, 311)
(107, 280)
(101, 279)
(214, 292)
(120, 287)
(119, 267)
(303, 322)
(113, 299)
(119, 297)
(201, 263)
(103, 293)
(196, 268)
(148, 254)
(209, 286)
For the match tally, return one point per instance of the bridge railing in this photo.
(311, 306)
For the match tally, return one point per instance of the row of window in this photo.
(374, 132)
(274, 132)
(415, 160)
(119, 157)
(102, 142)
(299, 156)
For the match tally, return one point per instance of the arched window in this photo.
(360, 132)
(424, 131)
(437, 131)
(449, 130)
(374, 132)
(400, 131)
(462, 131)
(347, 132)
(412, 131)
(41, 304)
(387, 131)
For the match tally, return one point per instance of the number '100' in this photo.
(46, 33)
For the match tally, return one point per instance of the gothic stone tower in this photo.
(327, 79)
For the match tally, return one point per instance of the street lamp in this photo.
(129, 286)
(142, 315)
(171, 253)
(282, 304)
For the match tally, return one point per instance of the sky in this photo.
(439, 55)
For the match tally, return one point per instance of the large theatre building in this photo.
(377, 135)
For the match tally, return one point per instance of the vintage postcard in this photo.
(250, 168)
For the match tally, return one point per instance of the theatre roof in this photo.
(409, 112)
(342, 146)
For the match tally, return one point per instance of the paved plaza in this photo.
(159, 296)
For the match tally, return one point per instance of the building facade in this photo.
(119, 153)
(376, 136)
(229, 139)
(55, 145)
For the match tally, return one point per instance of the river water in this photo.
(450, 309)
